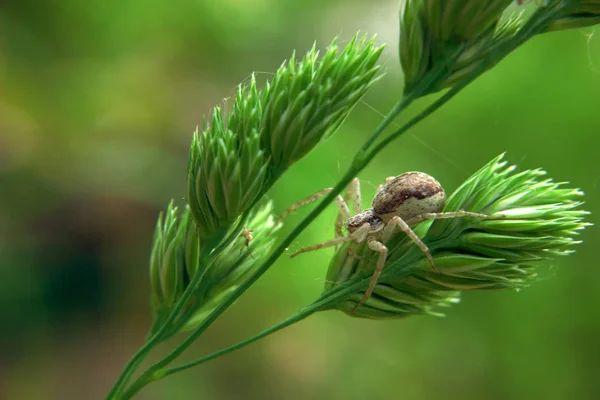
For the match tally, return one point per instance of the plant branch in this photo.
(358, 165)
(362, 159)
(322, 304)
(153, 340)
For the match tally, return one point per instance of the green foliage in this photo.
(233, 265)
(201, 265)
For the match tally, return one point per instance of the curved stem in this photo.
(422, 115)
(326, 302)
(397, 109)
(362, 159)
(253, 278)
(299, 316)
(424, 87)
(153, 340)
(359, 164)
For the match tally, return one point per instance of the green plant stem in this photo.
(361, 160)
(319, 305)
(250, 281)
(358, 165)
(150, 342)
(423, 88)
(326, 301)
(297, 317)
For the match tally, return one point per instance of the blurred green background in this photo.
(98, 100)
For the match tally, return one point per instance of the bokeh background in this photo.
(98, 100)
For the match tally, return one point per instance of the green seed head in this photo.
(175, 261)
(583, 13)
(468, 37)
(431, 30)
(175, 251)
(227, 166)
(233, 265)
(308, 100)
(531, 219)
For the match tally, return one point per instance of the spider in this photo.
(247, 235)
(403, 201)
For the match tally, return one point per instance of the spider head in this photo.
(367, 216)
(409, 195)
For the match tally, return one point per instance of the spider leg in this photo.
(358, 236)
(455, 214)
(390, 229)
(303, 202)
(355, 195)
(343, 215)
(382, 250)
(352, 194)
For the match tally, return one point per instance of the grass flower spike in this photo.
(233, 265)
(308, 100)
(227, 166)
(233, 163)
(445, 42)
(532, 219)
(175, 252)
(175, 260)
(583, 14)
(431, 31)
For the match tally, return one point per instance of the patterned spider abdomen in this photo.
(409, 195)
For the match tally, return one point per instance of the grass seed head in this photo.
(532, 219)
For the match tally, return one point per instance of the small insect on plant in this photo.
(403, 201)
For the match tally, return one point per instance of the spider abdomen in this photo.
(409, 195)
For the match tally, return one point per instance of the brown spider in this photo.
(247, 235)
(404, 201)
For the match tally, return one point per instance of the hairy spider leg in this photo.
(358, 236)
(354, 191)
(390, 230)
(352, 194)
(397, 222)
(340, 203)
(382, 250)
